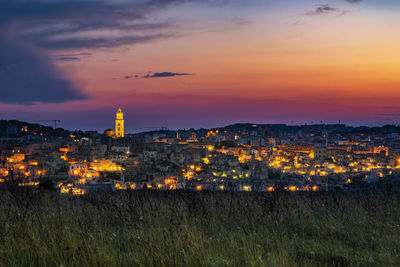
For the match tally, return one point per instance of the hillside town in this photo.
(240, 157)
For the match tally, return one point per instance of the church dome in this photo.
(109, 132)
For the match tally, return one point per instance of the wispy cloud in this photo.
(72, 57)
(391, 107)
(127, 77)
(354, 1)
(76, 55)
(165, 74)
(326, 10)
(69, 58)
(82, 24)
(388, 114)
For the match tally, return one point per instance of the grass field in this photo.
(149, 228)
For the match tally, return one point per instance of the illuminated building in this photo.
(246, 188)
(292, 188)
(119, 124)
(270, 189)
(109, 132)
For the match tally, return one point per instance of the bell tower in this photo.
(119, 123)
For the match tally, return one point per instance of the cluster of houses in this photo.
(235, 158)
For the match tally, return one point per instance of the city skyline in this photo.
(184, 64)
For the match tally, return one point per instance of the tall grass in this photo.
(148, 228)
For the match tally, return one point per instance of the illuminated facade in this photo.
(119, 124)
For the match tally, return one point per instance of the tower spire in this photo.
(119, 123)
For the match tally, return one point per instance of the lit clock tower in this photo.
(119, 124)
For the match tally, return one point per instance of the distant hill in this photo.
(15, 128)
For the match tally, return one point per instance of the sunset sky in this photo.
(183, 64)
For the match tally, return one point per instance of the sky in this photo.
(199, 63)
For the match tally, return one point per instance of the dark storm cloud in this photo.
(325, 10)
(27, 74)
(62, 24)
(27, 77)
(80, 9)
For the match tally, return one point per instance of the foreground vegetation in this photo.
(149, 228)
